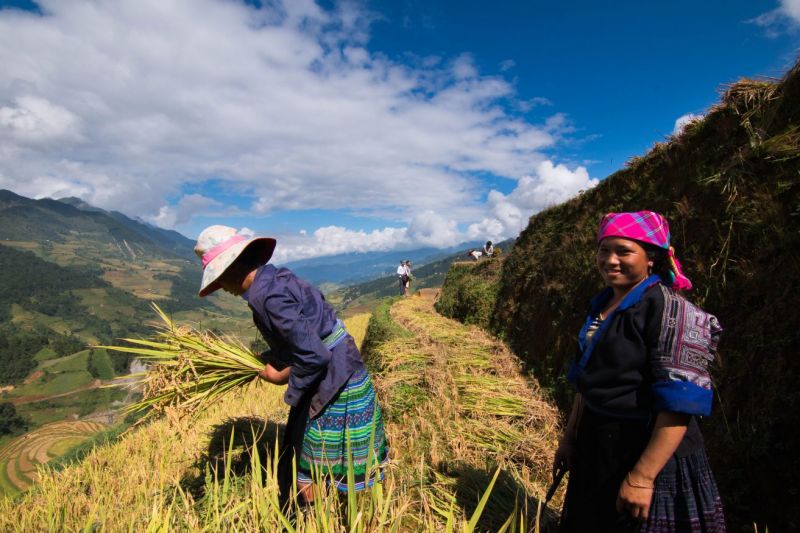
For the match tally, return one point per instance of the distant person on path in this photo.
(402, 277)
(488, 249)
(632, 444)
(475, 254)
(329, 390)
(409, 277)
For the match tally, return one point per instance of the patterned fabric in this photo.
(687, 343)
(685, 498)
(648, 227)
(594, 325)
(645, 226)
(354, 414)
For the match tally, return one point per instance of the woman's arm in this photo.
(565, 445)
(636, 491)
(277, 377)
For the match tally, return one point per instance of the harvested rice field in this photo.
(471, 440)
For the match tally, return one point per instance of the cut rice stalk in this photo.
(188, 370)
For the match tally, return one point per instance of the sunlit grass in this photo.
(205, 473)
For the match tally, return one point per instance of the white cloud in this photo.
(683, 120)
(786, 17)
(331, 240)
(34, 119)
(551, 185)
(170, 216)
(125, 102)
(431, 229)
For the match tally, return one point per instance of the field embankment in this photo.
(458, 408)
(730, 186)
(457, 413)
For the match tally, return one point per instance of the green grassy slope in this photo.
(730, 186)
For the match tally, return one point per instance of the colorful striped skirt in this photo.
(348, 434)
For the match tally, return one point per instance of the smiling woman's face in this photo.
(623, 263)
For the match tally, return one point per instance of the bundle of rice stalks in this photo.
(188, 369)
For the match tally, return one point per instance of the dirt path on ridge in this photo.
(22, 400)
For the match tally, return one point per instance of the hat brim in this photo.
(214, 270)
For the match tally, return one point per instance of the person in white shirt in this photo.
(488, 249)
(475, 254)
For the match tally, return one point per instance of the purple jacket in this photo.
(293, 317)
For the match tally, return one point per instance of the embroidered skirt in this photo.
(340, 437)
(685, 498)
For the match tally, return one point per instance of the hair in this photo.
(488, 243)
(661, 264)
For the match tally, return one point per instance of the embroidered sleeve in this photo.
(687, 343)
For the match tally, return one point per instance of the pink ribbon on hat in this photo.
(221, 247)
(681, 283)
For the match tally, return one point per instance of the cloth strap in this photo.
(336, 336)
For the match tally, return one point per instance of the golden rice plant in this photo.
(188, 369)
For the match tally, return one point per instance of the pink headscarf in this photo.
(648, 227)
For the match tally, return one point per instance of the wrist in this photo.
(639, 477)
(637, 485)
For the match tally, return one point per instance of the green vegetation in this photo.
(11, 422)
(730, 186)
(77, 404)
(17, 351)
(49, 383)
(470, 291)
(99, 364)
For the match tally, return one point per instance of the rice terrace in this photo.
(397, 266)
(21, 458)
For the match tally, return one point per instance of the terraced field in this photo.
(21, 457)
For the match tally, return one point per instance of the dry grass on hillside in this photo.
(205, 475)
(459, 408)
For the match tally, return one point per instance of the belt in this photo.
(336, 336)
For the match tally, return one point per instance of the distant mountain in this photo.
(130, 255)
(169, 240)
(346, 269)
(57, 221)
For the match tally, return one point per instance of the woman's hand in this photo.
(563, 457)
(636, 491)
(635, 496)
(277, 377)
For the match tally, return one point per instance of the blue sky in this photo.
(362, 125)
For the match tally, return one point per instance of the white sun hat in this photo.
(219, 246)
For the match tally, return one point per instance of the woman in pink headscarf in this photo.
(632, 444)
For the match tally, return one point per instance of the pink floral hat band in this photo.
(648, 227)
(215, 251)
(219, 246)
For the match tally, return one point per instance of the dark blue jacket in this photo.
(293, 318)
(651, 354)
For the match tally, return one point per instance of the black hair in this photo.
(660, 258)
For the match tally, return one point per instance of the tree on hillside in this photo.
(10, 421)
